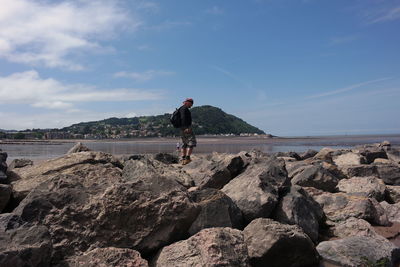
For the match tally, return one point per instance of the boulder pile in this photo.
(91, 208)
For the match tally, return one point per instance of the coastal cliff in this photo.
(87, 208)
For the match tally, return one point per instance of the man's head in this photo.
(188, 102)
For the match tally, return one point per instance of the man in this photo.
(188, 137)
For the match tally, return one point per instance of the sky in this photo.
(288, 67)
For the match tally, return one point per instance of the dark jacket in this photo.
(186, 117)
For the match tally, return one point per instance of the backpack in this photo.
(175, 119)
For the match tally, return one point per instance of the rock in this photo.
(359, 251)
(116, 257)
(340, 207)
(166, 158)
(210, 247)
(370, 153)
(25, 246)
(141, 169)
(390, 174)
(393, 154)
(20, 163)
(294, 168)
(355, 227)
(274, 244)
(393, 193)
(142, 215)
(3, 178)
(298, 208)
(78, 147)
(287, 159)
(385, 144)
(3, 160)
(217, 210)
(308, 154)
(349, 159)
(256, 191)
(382, 161)
(360, 170)
(392, 211)
(316, 176)
(324, 154)
(290, 154)
(370, 187)
(97, 167)
(216, 171)
(5, 194)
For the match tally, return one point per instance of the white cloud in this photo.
(29, 88)
(386, 14)
(215, 10)
(143, 76)
(40, 32)
(346, 89)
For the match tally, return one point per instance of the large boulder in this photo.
(81, 214)
(371, 152)
(392, 211)
(78, 147)
(316, 176)
(359, 170)
(355, 227)
(308, 154)
(216, 170)
(25, 246)
(393, 154)
(370, 187)
(115, 257)
(210, 247)
(271, 243)
(340, 207)
(140, 169)
(166, 158)
(298, 208)
(358, 251)
(389, 173)
(325, 154)
(349, 158)
(393, 193)
(3, 168)
(97, 167)
(217, 210)
(5, 194)
(256, 191)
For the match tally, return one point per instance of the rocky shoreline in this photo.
(87, 208)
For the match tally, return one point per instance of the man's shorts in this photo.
(188, 139)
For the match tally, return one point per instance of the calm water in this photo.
(39, 151)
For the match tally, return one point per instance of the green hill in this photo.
(206, 120)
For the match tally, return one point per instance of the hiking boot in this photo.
(186, 161)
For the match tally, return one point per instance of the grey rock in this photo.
(257, 190)
(78, 147)
(325, 154)
(360, 170)
(5, 194)
(308, 154)
(390, 174)
(210, 247)
(290, 154)
(25, 246)
(393, 154)
(349, 158)
(316, 176)
(392, 211)
(166, 158)
(274, 244)
(115, 257)
(147, 167)
(355, 227)
(20, 163)
(298, 208)
(340, 207)
(393, 193)
(359, 251)
(370, 187)
(371, 152)
(217, 210)
(3, 160)
(3, 178)
(216, 171)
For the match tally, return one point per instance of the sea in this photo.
(38, 150)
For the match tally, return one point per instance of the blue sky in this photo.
(289, 67)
